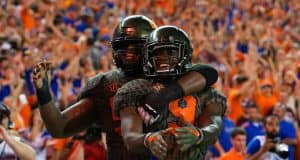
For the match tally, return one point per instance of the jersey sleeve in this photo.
(210, 93)
(132, 94)
(207, 71)
(90, 87)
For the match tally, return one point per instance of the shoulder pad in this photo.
(90, 85)
(132, 94)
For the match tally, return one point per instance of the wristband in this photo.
(200, 137)
(43, 93)
(208, 72)
(146, 139)
(173, 91)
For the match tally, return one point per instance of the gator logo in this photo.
(184, 108)
(113, 87)
(182, 103)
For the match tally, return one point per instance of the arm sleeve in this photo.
(212, 131)
(210, 73)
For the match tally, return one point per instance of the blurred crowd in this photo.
(254, 44)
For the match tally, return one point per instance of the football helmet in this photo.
(168, 52)
(128, 42)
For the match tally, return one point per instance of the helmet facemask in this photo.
(128, 42)
(164, 59)
(128, 53)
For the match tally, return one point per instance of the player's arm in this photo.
(134, 138)
(70, 121)
(132, 130)
(199, 78)
(126, 101)
(209, 122)
(60, 124)
(211, 131)
(190, 135)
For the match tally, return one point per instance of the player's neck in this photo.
(134, 74)
(164, 80)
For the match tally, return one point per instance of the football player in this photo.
(186, 126)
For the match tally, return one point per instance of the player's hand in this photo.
(187, 136)
(157, 144)
(41, 74)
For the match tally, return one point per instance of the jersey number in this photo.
(184, 108)
(114, 116)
